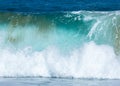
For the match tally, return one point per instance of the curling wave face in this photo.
(80, 44)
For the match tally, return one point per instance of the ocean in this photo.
(57, 82)
(59, 43)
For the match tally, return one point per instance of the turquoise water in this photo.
(59, 43)
(78, 44)
(65, 30)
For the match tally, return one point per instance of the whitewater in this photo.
(77, 44)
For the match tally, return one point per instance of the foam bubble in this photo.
(89, 61)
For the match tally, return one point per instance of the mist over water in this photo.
(79, 44)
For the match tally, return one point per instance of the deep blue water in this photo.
(58, 5)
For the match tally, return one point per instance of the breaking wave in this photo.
(81, 44)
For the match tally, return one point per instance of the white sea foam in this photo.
(61, 50)
(89, 61)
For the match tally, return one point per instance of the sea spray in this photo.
(81, 44)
